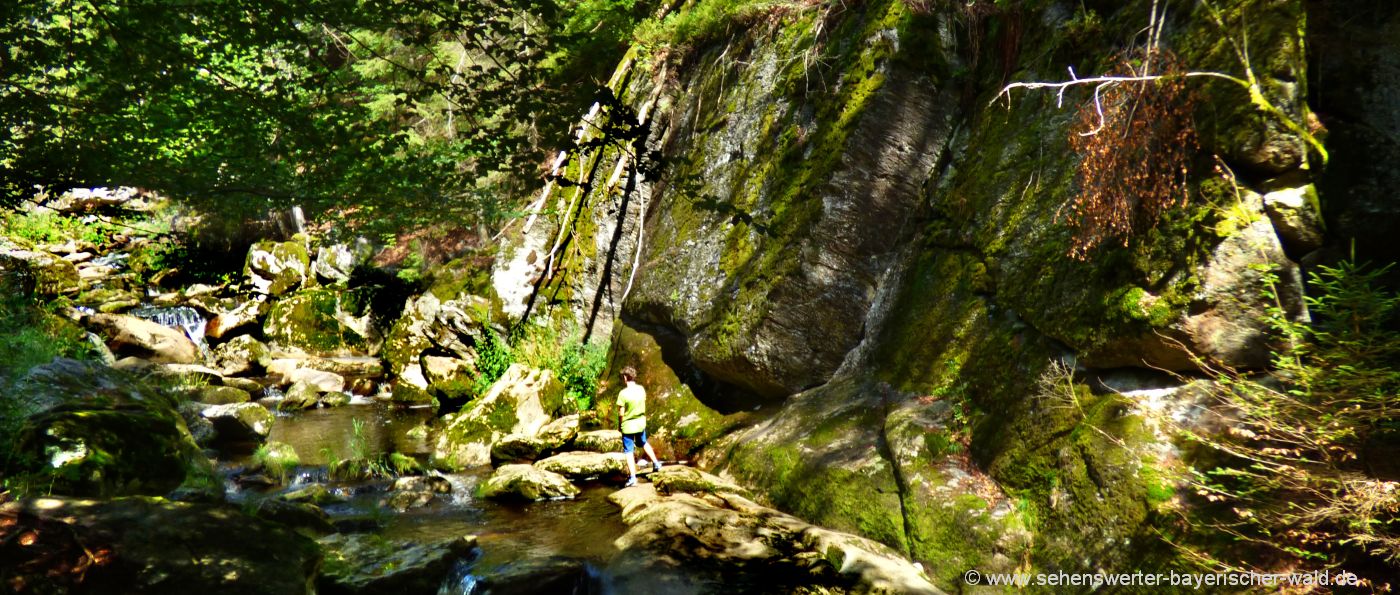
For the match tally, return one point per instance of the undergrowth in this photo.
(1306, 472)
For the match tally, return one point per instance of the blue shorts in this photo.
(630, 441)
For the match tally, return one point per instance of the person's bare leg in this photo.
(655, 462)
(631, 467)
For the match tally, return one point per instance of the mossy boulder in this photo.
(324, 322)
(275, 268)
(240, 422)
(585, 465)
(526, 482)
(676, 479)
(822, 458)
(449, 377)
(314, 494)
(1297, 217)
(223, 395)
(240, 355)
(223, 551)
(45, 274)
(517, 448)
(754, 544)
(132, 336)
(89, 430)
(597, 441)
(242, 316)
(521, 402)
(364, 564)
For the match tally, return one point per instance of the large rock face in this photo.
(521, 402)
(90, 430)
(126, 547)
(863, 242)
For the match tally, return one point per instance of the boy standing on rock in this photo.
(632, 410)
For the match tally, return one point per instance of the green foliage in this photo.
(33, 228)
(363, 463)
(1298, 469)
(276, 460)
(576, 364)
(493, 358)
(386, 113)
(700, 21)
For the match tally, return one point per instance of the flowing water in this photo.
(184, 318)
(577, 534)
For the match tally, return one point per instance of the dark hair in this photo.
(629, 373)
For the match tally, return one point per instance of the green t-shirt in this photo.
(632, 409)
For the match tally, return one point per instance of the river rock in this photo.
(546, 575)
(240, 422)
(449, 376)
(1297, 217)
(90, 430)
(350, 367)
(526, 482)
(527, 448)
(49, 274)
(423, 483)
(679, 479)
(324, 382)
(129, 335)
(314, 494)
(302, 395)
(729, 531)
(201, 429)
(222, 551)
(416, 492)
(323, 323)
(274, 268)
(334, 399)
(517, 448)
(223, 395)
(559, 432)
(521, 402)
(410, 387)
(186, 374)
(369, 564)
(408, 500)
(598, 441)
(246, 315)
(303, 517)
(239, 355)
(584, 465)
(335, 263)
(248, 385)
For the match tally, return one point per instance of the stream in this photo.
(511, 536)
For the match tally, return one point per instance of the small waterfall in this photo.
(461, 581)
(116, 260)
(463, 486)
(181, 317)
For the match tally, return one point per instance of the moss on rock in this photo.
(324, 322)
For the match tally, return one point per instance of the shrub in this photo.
(1135, 141)
(1297, 471)
(576, 364)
